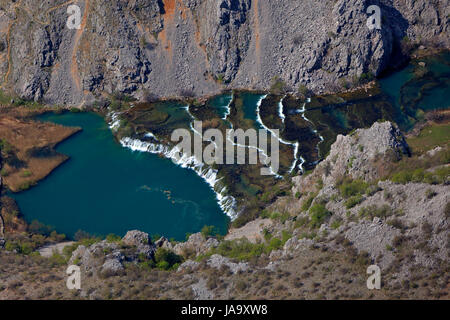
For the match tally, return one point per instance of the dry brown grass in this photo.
(32, 144)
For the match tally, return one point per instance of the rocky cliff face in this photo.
(199, 47)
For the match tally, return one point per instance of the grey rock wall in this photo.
(172, 48)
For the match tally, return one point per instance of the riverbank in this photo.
(28, 148)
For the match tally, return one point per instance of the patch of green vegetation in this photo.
(353, 201)
(240, 249)
(167, 260)
(438, 176)
(75, 110)
(4, 172)
(336, 224)
(267, 235)
(350, 163)
(350, 188)
(318, 214)
(26, 174)
(373, 211)
(243, 249)
(307, 203)
(113, 238)
(300, 222)
(209, 231)
(25, 185)
(281, 217)
(125, 130)
(429, 138)
(5, 146)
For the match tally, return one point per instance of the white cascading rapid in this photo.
(226, 202)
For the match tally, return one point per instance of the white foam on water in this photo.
(226, 202)
(280, 110)
(302, 112)
(295, 144)
(114, 124)
(227, 113)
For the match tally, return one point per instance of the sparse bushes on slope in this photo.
(353, 201)
(438, 176)
(209, 231)
(307, 203)
(374, 211)
(349, 188)
(166, 259)
(318, 214)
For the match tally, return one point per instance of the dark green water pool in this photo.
(105, 188)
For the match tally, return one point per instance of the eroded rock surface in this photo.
(199, 47)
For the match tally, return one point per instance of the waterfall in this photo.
(226, 202)
(295, 144)
(227, 113)
(302, 111)
(280, 110)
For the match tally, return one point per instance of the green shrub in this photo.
(208, 231)
(285, 236)
(25, 248)
(282, 217)
(336, 224)
(163, 265)
(374, 211)
(68, 250)
(241, 249)
(300, 222)
(267, 235)
(26, 174)
(11, 246)
(353, 201)
(440, 175)
(351, 188)
(318, 214)
(307, 203)
(402, 177)
(37, 227)
(275, 244)
(58, 259)
(166, 259)
(113, 238)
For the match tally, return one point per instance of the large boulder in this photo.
(218, 262)
(136, 238)
(113, 264)
(141, 241)
(196, 244)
